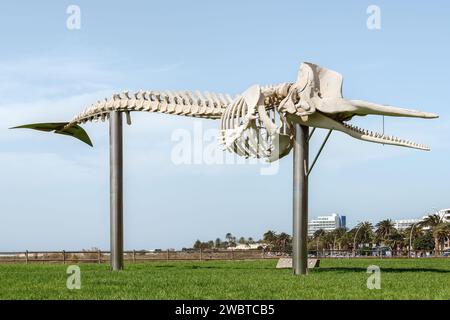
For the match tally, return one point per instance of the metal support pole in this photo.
(116, 190)
(320, 150)
(300, 203)
(311, 133)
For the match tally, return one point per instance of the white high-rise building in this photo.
(445, 214)
(403, 224)
(326, 223)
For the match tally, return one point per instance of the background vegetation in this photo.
(430, 234)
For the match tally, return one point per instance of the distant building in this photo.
(343, 222)
(445, 214)
(248, 246)
(326, 223)
(403, 224)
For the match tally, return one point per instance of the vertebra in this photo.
(260, 122)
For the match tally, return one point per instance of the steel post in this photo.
(116, 190)
(300, 201)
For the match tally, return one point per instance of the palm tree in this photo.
(395, 241)
(328, 240)
(269, 237)
(318, 234)
(337, 235)
(385, 229)
(441, 232)
(363, 234)
(197, 244)
(414, 230)
(231, 239)
(409, 235)
(346, 240)
(425, 241)
(283, 240)
(433, 221)
(242, 240)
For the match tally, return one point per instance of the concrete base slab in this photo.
(286, 263)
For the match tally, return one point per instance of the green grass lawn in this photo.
(335, 279)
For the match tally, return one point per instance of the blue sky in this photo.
(54, 190)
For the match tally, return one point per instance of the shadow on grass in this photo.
(214, 267)
(393, 270)
(318, 270)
